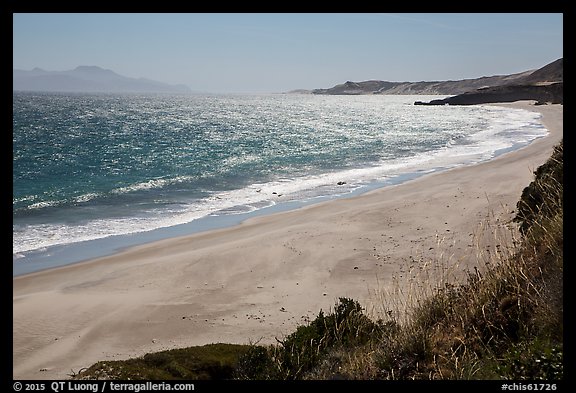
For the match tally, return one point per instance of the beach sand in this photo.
(257, 281)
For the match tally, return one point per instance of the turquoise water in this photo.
(88, 167)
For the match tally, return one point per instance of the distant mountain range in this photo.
(88, 79)
(545, 83)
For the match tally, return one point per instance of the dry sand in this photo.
(257, 281)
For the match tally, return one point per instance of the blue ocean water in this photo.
(88, 167)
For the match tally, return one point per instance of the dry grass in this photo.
(505, 318)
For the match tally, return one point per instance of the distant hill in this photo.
(88, 79)
(552, 72)
(543, 85)
(435, 87)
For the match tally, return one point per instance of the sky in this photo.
(279, 52)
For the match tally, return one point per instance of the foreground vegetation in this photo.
(504, 321)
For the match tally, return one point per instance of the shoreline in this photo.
(86, 251)
(260, 279)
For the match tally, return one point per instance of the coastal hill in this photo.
(88, 79)
(551, 73)
(432, 88)
(544, 85)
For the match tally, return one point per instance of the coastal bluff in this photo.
(544, 85)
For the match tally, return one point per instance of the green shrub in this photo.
(543, 197)
(305, 348)
(532, 361)
(212, 361)
(346, 326)
(257, 364)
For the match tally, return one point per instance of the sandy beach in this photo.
(257, 281)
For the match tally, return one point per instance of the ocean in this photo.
(93, 173)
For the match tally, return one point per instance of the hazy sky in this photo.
(282, 52)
